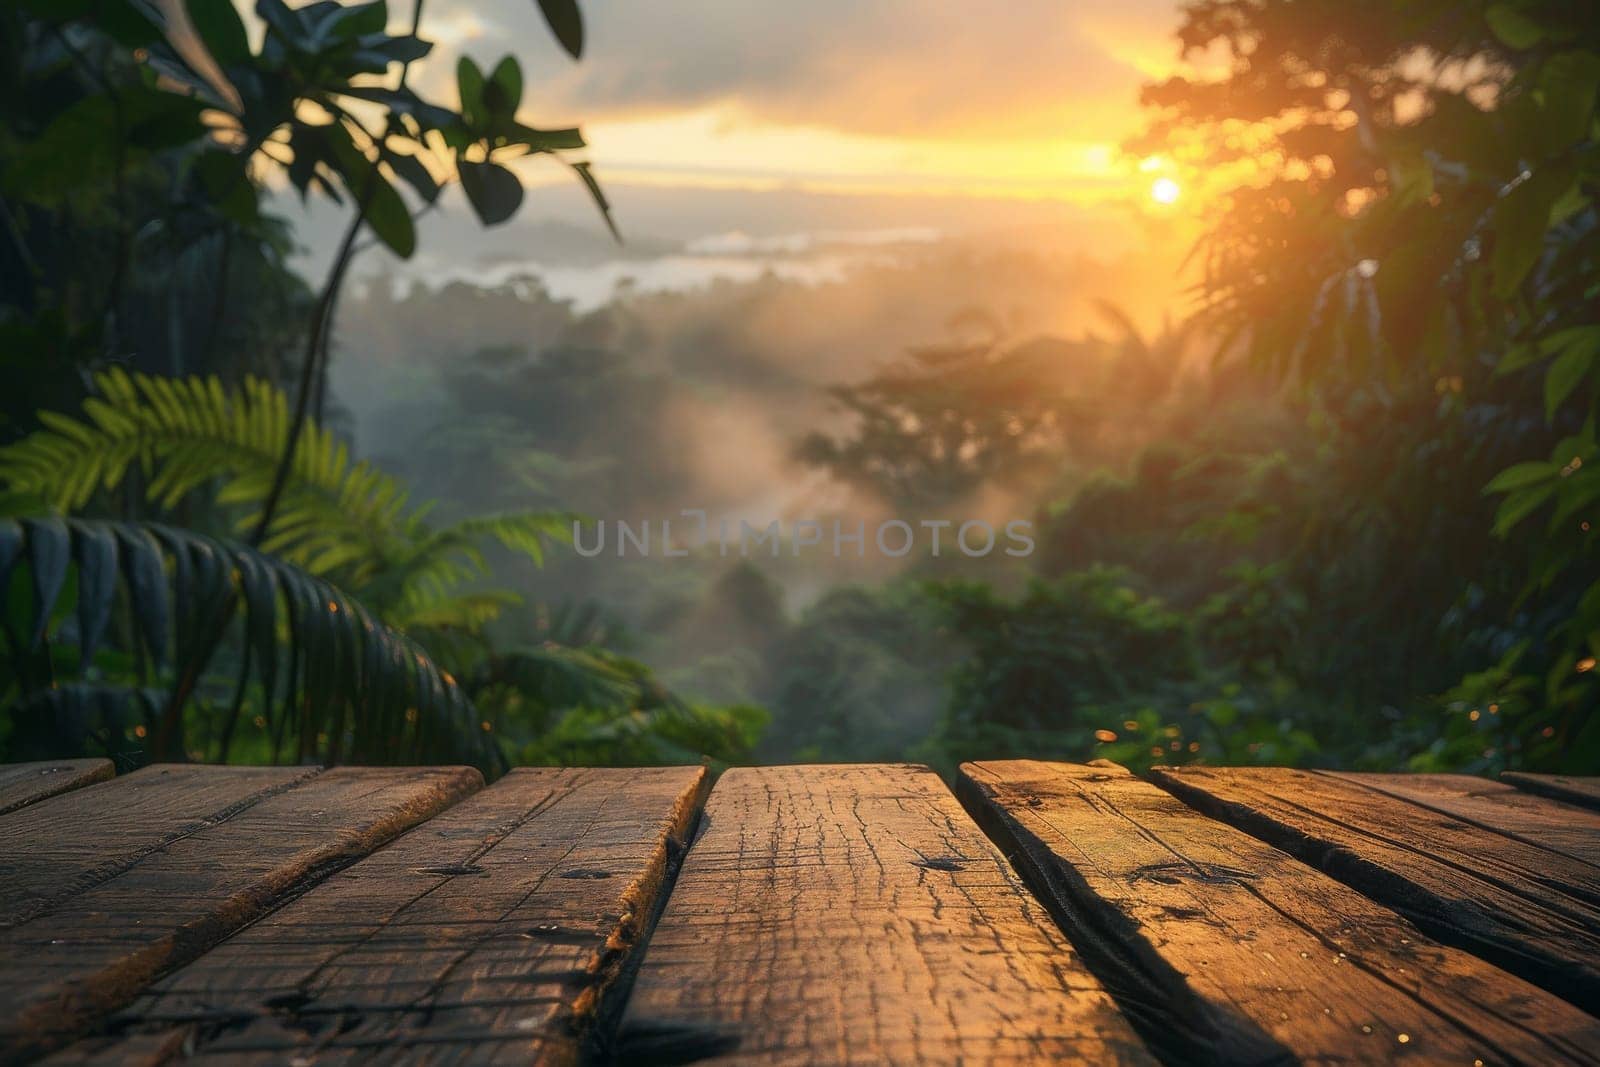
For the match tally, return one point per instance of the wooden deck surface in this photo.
(1039, 913)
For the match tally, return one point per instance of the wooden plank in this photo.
(1494, 806)
(1531, 911)
(1223, 948)
(857, 915)
(22, 784)
(75, 841)
(491, 933)
(95, 900)
(1571, 788)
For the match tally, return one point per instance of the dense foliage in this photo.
(1341, 515)
(247, 590)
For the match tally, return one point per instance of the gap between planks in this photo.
(110, 885)
(1223, 949)
(1528, 908)
(22, 784)
(1584, 791)
(855, 914)
(495, 932)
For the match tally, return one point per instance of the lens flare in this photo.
(1164, 191)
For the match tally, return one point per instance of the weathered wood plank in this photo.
(1531, 911)
(1495, 806)
(22, 784)
(857, 915)
(490, 934)
(75, 841)
(1570, 788)
(106, 887)
(1224, 949)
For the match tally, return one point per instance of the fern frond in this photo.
(522, 531)
(469, 612)
(429, 568)
(189, 433)
(337, 518)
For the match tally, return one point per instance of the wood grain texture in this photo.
(1570, 788)
(104, 888)
(1496, 806)
(490, 934)
(78, 840)
(1226, 950)
(1527, 909)
(22, 784)
(856, 914)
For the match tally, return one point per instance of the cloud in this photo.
(902, 68)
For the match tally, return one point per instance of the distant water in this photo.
(809, 258)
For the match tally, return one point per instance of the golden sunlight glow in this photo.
(1164, 191)
(727, 147)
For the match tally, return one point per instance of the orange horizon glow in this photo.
(868, 131)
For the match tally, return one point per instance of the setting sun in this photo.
(1164, 191)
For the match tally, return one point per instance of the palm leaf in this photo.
(351, 685)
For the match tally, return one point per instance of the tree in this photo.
(1407, 217)
(947, 419)
(155, 127)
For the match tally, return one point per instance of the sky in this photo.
(849, 97)
(746, 134)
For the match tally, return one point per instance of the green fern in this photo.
(345, 521)
(316, 673)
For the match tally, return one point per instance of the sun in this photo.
(1164, 191)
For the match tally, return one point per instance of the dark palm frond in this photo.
(315, 672)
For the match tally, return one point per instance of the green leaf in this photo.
(221, 30)
(77, 148)
(226, 180)
(1518, 356)
(341, 658)
(1521, 476)
(1573, 336)
(404, 102)
(145, 574)
(1521, 218)
(374, 53)
(49, 549)
(564, 140)
(1520, 505)
(127, 23)
(390, 219)
(566, 23)
(80, 146)
(1565, 373)
(1567, 82)
(384, 209)
(94, 550)
(355, 20)
(494, 191)
(260, 588)
(183, 598)
(503, 92)
(469, 84)
(416, 175)
(1513, 26)
(10, 552)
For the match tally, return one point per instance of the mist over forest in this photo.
(701, 391)
(1278, 343)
